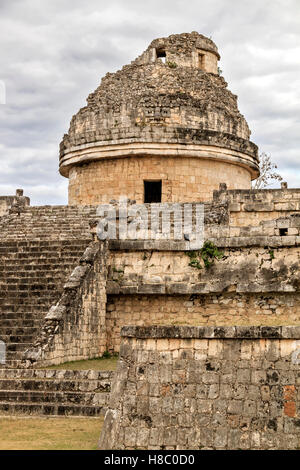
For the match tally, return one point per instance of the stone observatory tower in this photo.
(163, 129)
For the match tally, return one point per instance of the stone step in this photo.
(20, 322)
(11, 364)
(25, 312)
(28, 310)
(15, 253)
(33, 251)
(10, 339)
(33, 271)
(16, 347)
(50, 409)
(19, 290)
(14, 330)
(28, 280)
(12, 264)
(62, 398)
(54, 385)
(15, 256)
(18, 319)
(54, 392)
(65, 374)
(17, 339)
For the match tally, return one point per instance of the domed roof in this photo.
(172, 94)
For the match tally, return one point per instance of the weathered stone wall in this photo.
(253, 208)
(183, 50)
(205, 388)
(228, 309)
(183, 179)
(256, 261)
(248, 269)
(17, 202)
(274, 232)
(75, 328)
(5, 204)
(251, 285)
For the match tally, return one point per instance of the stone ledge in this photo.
(220, 242)
(220, 332)
(237, 151)
(56, 374)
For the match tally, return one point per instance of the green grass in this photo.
(50, 433)
(101, 363)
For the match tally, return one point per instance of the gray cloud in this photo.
(53, 54)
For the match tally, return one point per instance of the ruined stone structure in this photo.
(173, 122)
(13, 203)
(205, 388)
(164, 129)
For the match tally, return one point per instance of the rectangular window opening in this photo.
(152, 191)
(161, 54)
(283, 232)
(201, 61)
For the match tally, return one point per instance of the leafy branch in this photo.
(207, 255)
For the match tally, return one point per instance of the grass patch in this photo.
(101, 363)
(50, 433)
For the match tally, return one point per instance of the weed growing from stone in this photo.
(207, 255)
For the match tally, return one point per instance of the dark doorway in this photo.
(161, 54)
(152, 191)
(201, 59)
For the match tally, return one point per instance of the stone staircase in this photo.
(38, 250)
(32, 275)
(48, 223)
(54, 392)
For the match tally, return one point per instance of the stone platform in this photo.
(185, 387)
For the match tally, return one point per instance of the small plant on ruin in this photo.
(208, 254)
(172, 65)
(220, 71)
(106, 355)
(271, 253)
(118, 274)
(194, 259)
(115, 270)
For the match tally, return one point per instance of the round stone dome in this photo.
(168, 117)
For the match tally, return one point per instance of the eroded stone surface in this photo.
(205, 388)
(172, 120)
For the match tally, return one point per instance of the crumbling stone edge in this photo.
(59, 314)
(206, 332)
(214, 388)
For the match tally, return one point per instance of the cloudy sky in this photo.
(54, 53)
